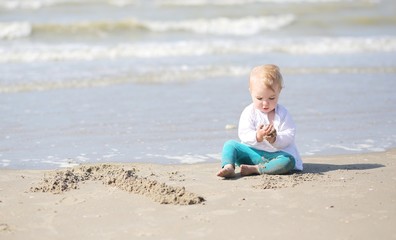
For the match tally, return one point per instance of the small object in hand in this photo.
(272, 133)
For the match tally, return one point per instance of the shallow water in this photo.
(158, 81)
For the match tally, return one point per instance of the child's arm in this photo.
(286, 133)
(246, 127)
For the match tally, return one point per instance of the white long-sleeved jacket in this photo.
(250, 120)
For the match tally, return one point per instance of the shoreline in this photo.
(73, 164)
(335, 197)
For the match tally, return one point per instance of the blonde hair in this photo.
(269, 75)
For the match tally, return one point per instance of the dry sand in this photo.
(336, 197)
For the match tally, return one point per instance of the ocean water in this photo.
(87, 81)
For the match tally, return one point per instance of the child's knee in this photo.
(231, 143)
(280, 165)
(230, 146)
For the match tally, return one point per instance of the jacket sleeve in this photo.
(247, 127)
(286, 132)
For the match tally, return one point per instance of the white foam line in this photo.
(223, 26)
(344, 147)
(309, 46)
(15, 30)
(5, 162)
(188, 159)
(368, 146)
(39, 4)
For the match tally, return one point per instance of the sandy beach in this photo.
(140, 96)
(336, 197)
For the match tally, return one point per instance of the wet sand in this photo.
(336, 197)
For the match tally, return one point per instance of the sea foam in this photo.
(13, 30)
(223, 26)
(39, 4)
(244, 26)
(86, 52)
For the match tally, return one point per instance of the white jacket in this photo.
(252, 118)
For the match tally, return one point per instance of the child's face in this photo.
(264, 98)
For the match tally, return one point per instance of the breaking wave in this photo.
(15, 30)
(87, 52)
(216, 26)
(39, 4)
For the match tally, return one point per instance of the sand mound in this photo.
(64, 180)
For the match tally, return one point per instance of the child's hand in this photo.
(271, 137)
(266, 133)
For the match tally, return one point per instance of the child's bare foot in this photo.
(228, 171)
(249, 170)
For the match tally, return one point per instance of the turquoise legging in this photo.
(237, 153)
